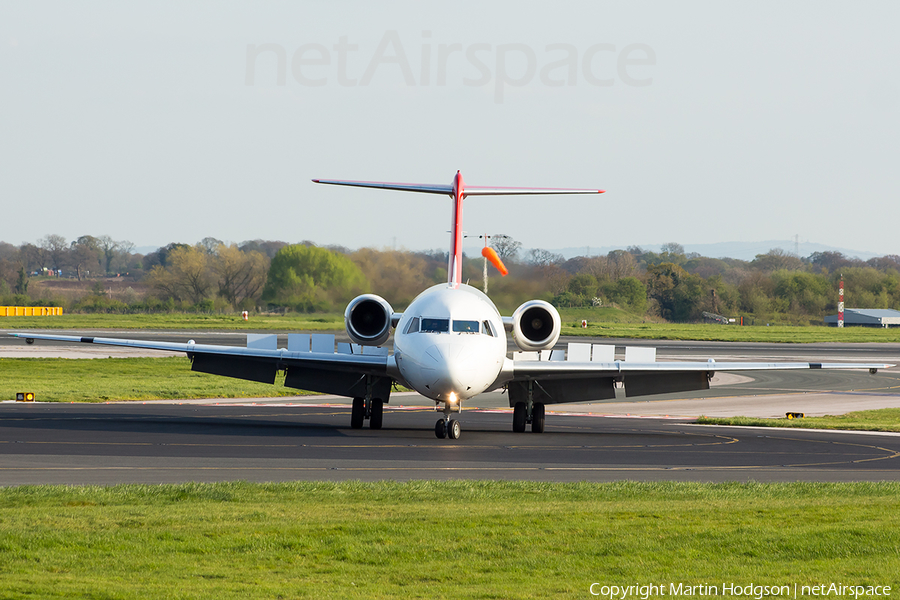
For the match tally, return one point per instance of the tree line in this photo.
(274, 275)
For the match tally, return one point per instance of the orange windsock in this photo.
(491, 255)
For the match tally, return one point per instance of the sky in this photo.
(705, 121)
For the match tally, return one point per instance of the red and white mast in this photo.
(841, 303)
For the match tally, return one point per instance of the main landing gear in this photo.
(373, 410)
(528, 411)
(521, 417)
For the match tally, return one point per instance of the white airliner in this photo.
(450, 345)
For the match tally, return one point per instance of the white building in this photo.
(867, 317)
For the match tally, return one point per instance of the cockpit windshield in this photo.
(465, 326)
(435, 325)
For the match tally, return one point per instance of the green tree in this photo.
(308, 278)
(22, 282)
(584, 285)
(677, 292)
(801, 292)
(399, 273)
(630, 293)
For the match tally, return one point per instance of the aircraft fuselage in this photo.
(450, 344)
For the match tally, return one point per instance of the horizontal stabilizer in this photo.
(474, 190)
(424, 188)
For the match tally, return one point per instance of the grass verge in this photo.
(457, 539)
(732, 333)
(105, 379)
(293, 322)
(602, 322)
(883, 419)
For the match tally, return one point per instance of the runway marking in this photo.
(435, 445)
(434, 468)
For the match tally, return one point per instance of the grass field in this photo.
(732, 333)
(602, 322)
(455, 539)
(105, 379)
(884, 419)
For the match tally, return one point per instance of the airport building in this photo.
(867, 317)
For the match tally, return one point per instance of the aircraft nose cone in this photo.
(449, 369)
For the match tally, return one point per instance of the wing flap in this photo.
(562, 381)
(559, 391)
(339, 383)
(232, 366)
(665, 383)
(253, 364)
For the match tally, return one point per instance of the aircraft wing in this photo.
(328, 373)
(554, 382)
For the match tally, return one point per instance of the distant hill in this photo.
(740, 250)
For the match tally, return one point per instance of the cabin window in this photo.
(487, 328)
(413, 326)
(465, 326)
(435, 325)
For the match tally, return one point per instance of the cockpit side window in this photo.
(413, 326)
(435, 325)
(465, 326)
(487, 328)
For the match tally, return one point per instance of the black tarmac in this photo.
(158, 443)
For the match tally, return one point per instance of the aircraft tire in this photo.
(519, 417)
(358, 413)
(453, 429)
(440, 429)
(537, 418)
(377, 416)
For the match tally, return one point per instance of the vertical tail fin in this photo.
(454, 266)
(457, 191)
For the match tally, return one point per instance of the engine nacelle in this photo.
(368, 320)
(536, 325)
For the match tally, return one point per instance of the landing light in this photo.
(452, 399)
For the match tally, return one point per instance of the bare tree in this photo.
(269, 248)
(242, 275)
(34, 257)
(542, 258)
(210, 245)
(112, 249)
(506, 247)
(56, 248)
(621, 264)
(776, 259)
(672, 248)
(85, 255)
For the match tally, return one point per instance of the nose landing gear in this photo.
(447, 427)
